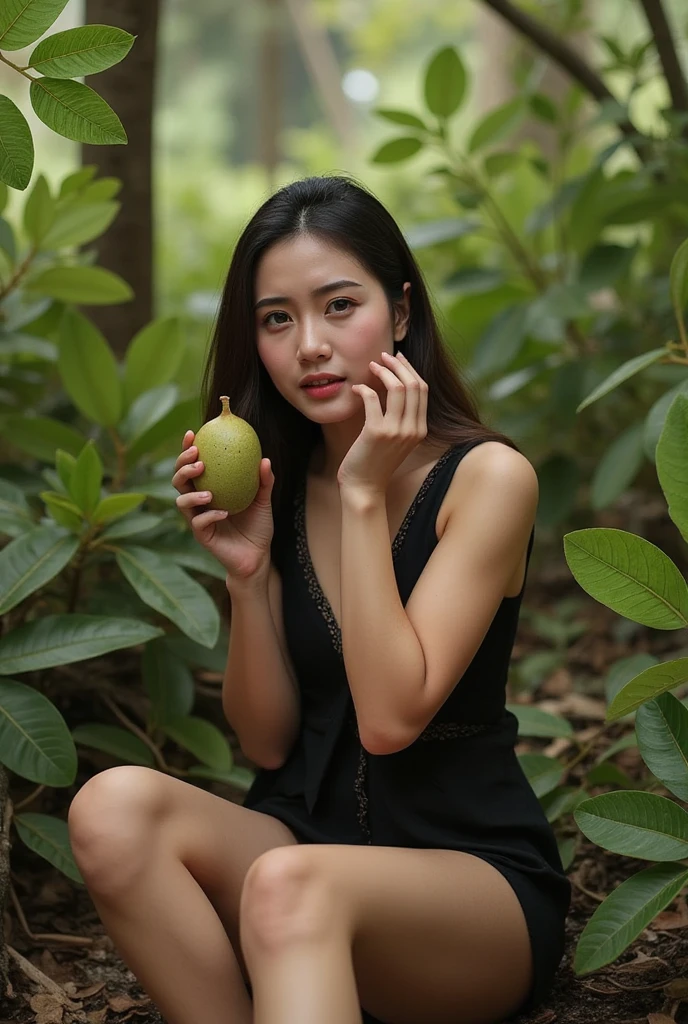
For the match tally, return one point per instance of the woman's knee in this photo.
(111, 822)
(286, 898)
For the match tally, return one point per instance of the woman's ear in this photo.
(402, 314)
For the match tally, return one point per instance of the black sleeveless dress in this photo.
(459, 786)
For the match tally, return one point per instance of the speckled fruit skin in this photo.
(230, 451)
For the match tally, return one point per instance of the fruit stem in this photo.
(225, 405)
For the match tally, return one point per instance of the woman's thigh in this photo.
(132, 808)
(438, 936)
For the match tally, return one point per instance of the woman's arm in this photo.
(402, 663)
(260, 696)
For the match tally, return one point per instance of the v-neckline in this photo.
(303, 550)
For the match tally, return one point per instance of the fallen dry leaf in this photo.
(659, 1018)
(677, 989)
(47, 1008)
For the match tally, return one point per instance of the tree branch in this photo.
(666, 50)
(564, 55)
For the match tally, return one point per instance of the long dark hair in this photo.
(343, 212)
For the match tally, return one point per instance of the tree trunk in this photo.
(126, 248)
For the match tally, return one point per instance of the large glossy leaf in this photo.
(623, 373)
(22, 22)
(630, 575)
(171, 591)
(13, 501)
(501, 341)
(113, 739)
(432, 232)
(647, 686)
(622, 672)
(63, 639)
(562, 800)
(34, 738)
(543, 773)
(662, 728)
(30, 561)
(201, 738)
(79, 223)
(241, 778)
(635, 824)
(81, 51)
(40, 436)
(535, 722)
(63, 511)
(625, 913)
(49, 838)
(131, 525)
(185, 550)
(93, 286)
(76, 111)
(214, 659)
(89, 370)
(445, 82)
(168, 682)
(618, 467)
(672, 463)
(402, 117)
(147, 409)
(153, 356)
(16, 145)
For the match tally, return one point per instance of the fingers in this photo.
(186, 467)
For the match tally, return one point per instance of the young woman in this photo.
(391, 862)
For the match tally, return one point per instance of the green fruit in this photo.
(230, 451)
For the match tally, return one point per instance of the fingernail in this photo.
(222, 513)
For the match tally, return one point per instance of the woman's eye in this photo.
(347, 301)
(277, 313)
(280, 312)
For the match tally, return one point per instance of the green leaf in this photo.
(153, 356)
(101, 190)
(63, 639)
(131, 525)
(559, 477)
(629, 575)
(172, 592)
(603, 265)
(64, 463)
(148, 409)
(74, 183)
(81, 51)
(76, 112)
(562, 800)
(623, 743)
(214, 660)
(535, 722)
(672, 464)
(609, 774)
(87, 479)
(16, 145)
(662, 728)
(34, 738)
(39, 211)
(113, 739)
(618, 467)
(182, 417)
(656, 418)
(678, 276)
(628, 909)
(89, 370)
(496, 164)
(622, 672)
(117, 505)
(8, 243)
(40, 436)
(190, 555)
(402, 117)
(31, 561)
(432, 232)
(497, 125)
(63, 511)
(93, 286)
(13, 500)
(635, 824)
(622, 373)
(396, 150)
(543, 773)
(24, 21)
(501, 342)
(201, 738)
(445, 82)
(543, 107)
(49, 838)
(79, 223)
(648, 686)
(12, 525)
(168, 682)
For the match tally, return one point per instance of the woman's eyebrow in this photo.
(272, 300)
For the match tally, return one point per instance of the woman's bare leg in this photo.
(164, 863)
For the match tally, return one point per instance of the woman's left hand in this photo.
(386, 439)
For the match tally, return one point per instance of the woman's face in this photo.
(309, 321)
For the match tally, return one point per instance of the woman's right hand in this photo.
(241, 542)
